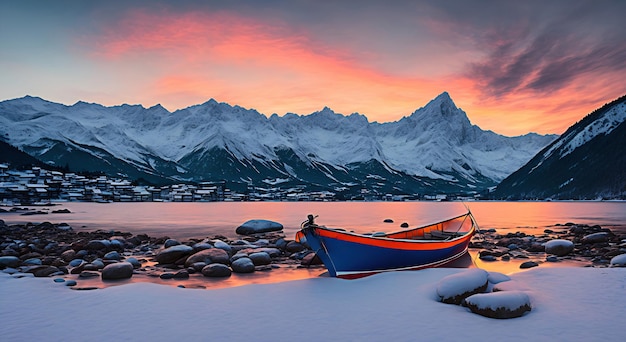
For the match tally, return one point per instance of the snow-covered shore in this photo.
(583, 304)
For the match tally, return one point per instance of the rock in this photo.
(238, 255)
(166, 275)
(222, 245)
(70, 283)
(388, 220)
(453, 289)
(98, 264)
(273, 252)
(528, 264)
(552, 258)
(201, 246)
(404, 225)
(281, 244)
(512, 246)
(502, 304)
(68, 255)
(216, 271)
(32, 262)
(559, 247)
(311, 259)
(596, 238)
(88, 274)
(243, 265)
(9, 261)
(77, 262)
(170, 242)
(618, 261)
(294, 247)
(208, 256)
(97, 244)
(262, 242)
(118, 270)
(171, 254)
(46, 271)
(133, 261)
(113, 255)
(59, 280)
(258, 226)
(488, 258)
(260, 258)
(117, 244)
(182, 274)
(197, 266)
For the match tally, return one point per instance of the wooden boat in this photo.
(352, 255)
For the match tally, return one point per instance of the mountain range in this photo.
(434, 150)
(586, 162)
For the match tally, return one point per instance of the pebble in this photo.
(528, 264)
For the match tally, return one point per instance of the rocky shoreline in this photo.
(56, 250)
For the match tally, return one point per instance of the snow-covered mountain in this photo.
(435, 149)
(586, 162)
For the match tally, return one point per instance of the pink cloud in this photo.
(278, 68)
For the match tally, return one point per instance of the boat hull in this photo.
(349, 255)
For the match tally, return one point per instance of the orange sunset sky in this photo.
(513, 66)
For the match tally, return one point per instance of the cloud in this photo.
(551, 54)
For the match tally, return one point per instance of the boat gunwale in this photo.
(373, 238)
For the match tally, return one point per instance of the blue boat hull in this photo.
(349, 255)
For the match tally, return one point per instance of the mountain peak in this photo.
(443, 97)
(442, 100)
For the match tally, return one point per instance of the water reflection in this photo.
(187, 220)
(198, 281)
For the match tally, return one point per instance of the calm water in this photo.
(187, 220)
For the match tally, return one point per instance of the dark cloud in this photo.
(551, 50)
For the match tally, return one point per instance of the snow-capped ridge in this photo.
(437, 141)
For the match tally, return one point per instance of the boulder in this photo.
(208, 256)
(170, 242)
(68, 255)
(46, 271)
(77, 262)
(294, 247)
(97, 244)
(453, 289)
(114, 255)
(171, 254)
(559, 247)
(182, 274)
(311, 259)
(258, 226)
(201, 246)
(260, 258)
(133, 261)
(273, 252)
(596, 238)
(216, 270)
(118, 270)
(222, 245)
(243, 265)
(618, 261)
(503, 304)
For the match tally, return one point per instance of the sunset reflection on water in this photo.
(187, 220)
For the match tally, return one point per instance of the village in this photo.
(40, 186)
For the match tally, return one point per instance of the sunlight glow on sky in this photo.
(512, 67)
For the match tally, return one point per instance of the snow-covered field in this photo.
(568, 304)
